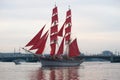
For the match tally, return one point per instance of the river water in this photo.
(87, 71)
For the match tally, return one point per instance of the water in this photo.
(87, 71)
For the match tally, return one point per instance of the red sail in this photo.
(68, 30)
(42, 46)
(61, 48)
(36, 38)
(68, 13)
(53, 38)
(60, 33)
(67, 37)
(54, 31)
(68, 20)
(67, 33)
(54, 10)
(38, 44)
(53, 48)
(55, 15)
(54, 28)
(68, 26)
(73, 49)
(54, 18)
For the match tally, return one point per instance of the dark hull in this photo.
(60, 63)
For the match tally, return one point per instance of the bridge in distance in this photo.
(9, 57)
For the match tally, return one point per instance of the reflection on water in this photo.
(70, 73)
(87, 71)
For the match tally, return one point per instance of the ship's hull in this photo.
(60, 63)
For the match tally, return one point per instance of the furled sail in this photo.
(36, 38)
(54, 30)
(73, 49)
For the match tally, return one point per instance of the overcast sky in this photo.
(96, 23)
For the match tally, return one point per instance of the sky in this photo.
(95, 23)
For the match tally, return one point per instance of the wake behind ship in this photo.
(67, 53)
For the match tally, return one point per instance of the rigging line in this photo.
(68, 6)
(27, 50)
(31, 52)
(55, 4)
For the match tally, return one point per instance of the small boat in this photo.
(18, 61)
(64, 54)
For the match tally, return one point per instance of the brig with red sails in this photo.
(67, 52)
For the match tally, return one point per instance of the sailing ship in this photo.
(58, 57)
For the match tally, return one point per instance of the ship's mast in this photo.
(54, 31)
(68, 30)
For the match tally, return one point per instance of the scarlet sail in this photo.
(61, 48)
(54, 14)
(68, 26)
(57, 57)
(35, 46)
(73, 49)
(36, 38)
(42, 46)
(60, 33)
(54, 30)
(39, 42)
